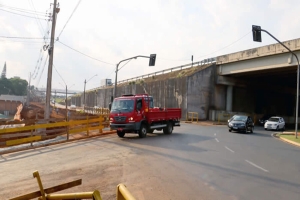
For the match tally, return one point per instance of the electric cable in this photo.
(85, 54)
(69, 18)
(22, 14)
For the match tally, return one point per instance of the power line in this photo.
(69, 18)
(35, 15)
(20, 9)
(226, 46)
(27, 38)
(42, 71)
(209, 53)
(21, 14)
(85, 54)
(59, 75)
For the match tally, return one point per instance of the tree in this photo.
(19, 86)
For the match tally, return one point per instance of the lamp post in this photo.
(256, 31)
(152, 59)
(84, 89)
(66, 100)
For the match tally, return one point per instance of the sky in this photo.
(106, 32)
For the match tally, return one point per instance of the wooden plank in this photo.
(53, 189)
(23, 140)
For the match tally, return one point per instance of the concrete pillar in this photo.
(229, 98)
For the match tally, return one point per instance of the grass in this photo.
(291, 137)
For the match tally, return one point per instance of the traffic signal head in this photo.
(152, 59)
(256, 32)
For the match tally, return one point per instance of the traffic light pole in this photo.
(257, 37)
(151, 63)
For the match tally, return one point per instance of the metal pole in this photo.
(51, 53)
(84, 94)
(66, 103)
(28, 92)
(116, 80)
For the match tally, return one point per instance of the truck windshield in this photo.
(122, 105)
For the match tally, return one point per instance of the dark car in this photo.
(264, 118)
(241, 123)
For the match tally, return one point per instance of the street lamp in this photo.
(152, 59)
(84, 89)
(66, 100)
(256, 31)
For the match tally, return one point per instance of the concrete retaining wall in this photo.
(192, 93)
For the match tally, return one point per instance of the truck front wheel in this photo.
(168, 129)
(143, 131)
(121, 133)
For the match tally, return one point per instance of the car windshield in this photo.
(239, 118)
(122, 105)
(273, 119)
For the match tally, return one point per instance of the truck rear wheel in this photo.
(143, 131)
(121, 133)
(168, 129)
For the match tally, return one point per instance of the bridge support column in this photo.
(229, 98)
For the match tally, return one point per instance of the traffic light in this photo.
(256, 32)
(152, 59)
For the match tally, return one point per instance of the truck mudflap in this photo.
(177, 123)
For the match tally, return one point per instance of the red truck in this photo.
(136, 114)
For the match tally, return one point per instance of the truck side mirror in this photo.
(109, 106)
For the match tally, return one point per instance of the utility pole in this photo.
(28, 92)
(51, 53)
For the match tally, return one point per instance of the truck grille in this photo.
(120, 118)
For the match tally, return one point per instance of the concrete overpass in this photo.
(268, 69)
(257, 81)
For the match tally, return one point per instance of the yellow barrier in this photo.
(73, 126)
(123, 193)
(192, 116)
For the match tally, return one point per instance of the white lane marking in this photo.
(229, 149)
(217, 139)
(251, 163)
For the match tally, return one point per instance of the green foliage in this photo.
(13, 86)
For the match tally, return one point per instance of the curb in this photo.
(60, 142)
(288, 141)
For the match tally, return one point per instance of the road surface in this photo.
(195, 162)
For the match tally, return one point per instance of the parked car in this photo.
(264, 118)
(275, 123)
(241, 123)
(73, 107)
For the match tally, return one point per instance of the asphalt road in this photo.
(195, 162)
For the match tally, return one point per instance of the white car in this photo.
(275, 123)
(73, 107)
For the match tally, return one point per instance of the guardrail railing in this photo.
(191, 116)
(44, 131)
